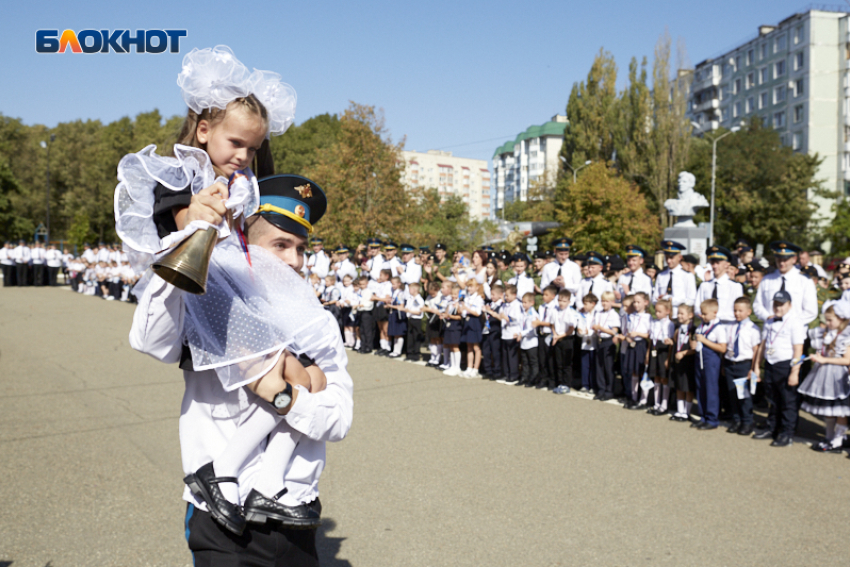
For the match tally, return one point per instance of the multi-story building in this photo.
(532, 156)
(794, 76)
(466, 178)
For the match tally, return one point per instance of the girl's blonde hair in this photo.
(263, 163)
(841, 327)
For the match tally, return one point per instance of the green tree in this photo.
(360, 174)
(762, 187)
(446, 220)
(80, 230)
(592, 115)
(604, 212)
(297, 150)
(12, 225)
(633, 139)
(837, 232)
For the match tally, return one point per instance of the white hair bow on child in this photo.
(213, 77)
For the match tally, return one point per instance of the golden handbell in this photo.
(186, 266)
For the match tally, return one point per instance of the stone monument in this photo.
(693, 237)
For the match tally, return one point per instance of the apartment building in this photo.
(794, 77)
(466, 178)
(531, 156)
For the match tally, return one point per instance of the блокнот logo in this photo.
(104, 41)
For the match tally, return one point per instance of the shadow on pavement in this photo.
(327, 546)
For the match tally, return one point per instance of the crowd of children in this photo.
(102, 271)
(696, 343)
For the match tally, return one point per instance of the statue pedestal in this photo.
(694, 238)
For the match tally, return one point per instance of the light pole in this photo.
(714, 177)
(47, 146)
(575, 171)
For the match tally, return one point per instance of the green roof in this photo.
(551, 128)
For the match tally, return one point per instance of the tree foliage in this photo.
(762, 189)
(838, 230)
(604, 212)
(296, 151)
(592, 115)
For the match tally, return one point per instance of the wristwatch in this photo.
(283, 398)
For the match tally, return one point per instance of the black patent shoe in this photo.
(204, 484)
(782, 441)
(734, 428)
(259, 509)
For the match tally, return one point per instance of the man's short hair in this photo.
(564, 293)
(528, 297)
(590, 298)
(551, 289)
(510, 288)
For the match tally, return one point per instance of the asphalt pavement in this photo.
(436, 471)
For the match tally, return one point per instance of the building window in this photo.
(738, 62)
(779, 44)
(762, 75)
(778, 69)
(750, 104)
(763, 100)
(779, 120)
(763, 51)
(750, 57)
(778, 94)
(799, 87)
(727, 69)
(737, 88)
(798, 61)
(751, 80)
(736, 110)
(798, 34)
(720, 114)
(765, 121)
(797, 141)
(798, 113)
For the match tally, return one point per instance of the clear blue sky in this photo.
(462, 76)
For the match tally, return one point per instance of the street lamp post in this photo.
(713, 180)
(713, 177)
(575, 171)
(47, 202)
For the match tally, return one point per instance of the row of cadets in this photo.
(563, 272)
(674, 283)
(318, 263)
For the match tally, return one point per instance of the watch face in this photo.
(282, 400)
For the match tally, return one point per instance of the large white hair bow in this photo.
(213, 77)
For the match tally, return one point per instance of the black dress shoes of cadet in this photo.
(204, 485)
(259, 509)
(763, 434)
(782, 441)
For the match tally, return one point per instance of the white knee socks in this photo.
(259, 421)
(434, 349)
(277, 455)
(385, 344)
(398, 344)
